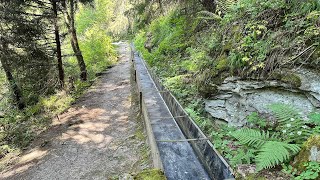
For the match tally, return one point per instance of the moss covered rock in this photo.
(292, 79)
(310, 151)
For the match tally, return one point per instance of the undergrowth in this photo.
(254, 39)
(19, 127)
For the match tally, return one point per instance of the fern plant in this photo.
(281, 143)
(252, 137)
(271, 151)
(208, 16)
(225, 5)
(243, 156)
(290, 123)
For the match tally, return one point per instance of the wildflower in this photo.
(284, 131)
(299, 132)
(288, 125)
(306, 118)
(304, 127)
(291, 119)
(291, 134)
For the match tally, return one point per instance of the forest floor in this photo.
(99, 137)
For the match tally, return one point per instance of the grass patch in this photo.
(150, 174)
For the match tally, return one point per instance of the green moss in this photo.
(222, 63)
(139, 134)
(292, 79)
(275, 76)
(304, 154)
(150, 174)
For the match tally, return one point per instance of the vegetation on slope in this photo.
(193, 50)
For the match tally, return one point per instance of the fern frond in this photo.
(208, 15)
(273, 153)
(252, 137)
(284, 113)
(226, 5)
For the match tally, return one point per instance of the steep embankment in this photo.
(236, 62)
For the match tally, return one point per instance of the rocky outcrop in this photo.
(310, 151)
(238, 98)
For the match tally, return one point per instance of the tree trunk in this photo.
(160, 6)
(69, 21)
(75, 44)
(17, 93)
(58, 44)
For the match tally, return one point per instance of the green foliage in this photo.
(90, 15)
(274, 152)
(271, 151)
(243, 157)
(168, 35)
(97, 50)
(208, 16)
(252, 137)
(315, 118)
(150, 174)
(312, 171)
(255, 119)
(291, 124)
(55, 104)
(19, 128)
(274, 148)
(94, 41)
(225, 6)
(247, 39)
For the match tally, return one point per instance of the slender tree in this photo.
(68, 9)
(58, 43)
(26, 48)
(15, 89)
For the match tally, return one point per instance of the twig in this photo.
(301, 53)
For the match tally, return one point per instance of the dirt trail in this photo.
(95, 139)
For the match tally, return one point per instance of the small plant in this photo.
(315, 118)
(274, 148)
(312, 171)
(271, 151)
(291, 124)
(243, 156)
(256, 120)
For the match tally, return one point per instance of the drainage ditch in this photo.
(178, 146)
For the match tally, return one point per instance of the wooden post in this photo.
(132, 55)
(140, 101)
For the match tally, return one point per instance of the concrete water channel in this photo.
(177, 144)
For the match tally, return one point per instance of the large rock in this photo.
(237, 98)
(310, 151)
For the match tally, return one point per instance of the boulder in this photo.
(310, 151)
(236, 98)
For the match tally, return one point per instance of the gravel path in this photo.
(95, 139)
